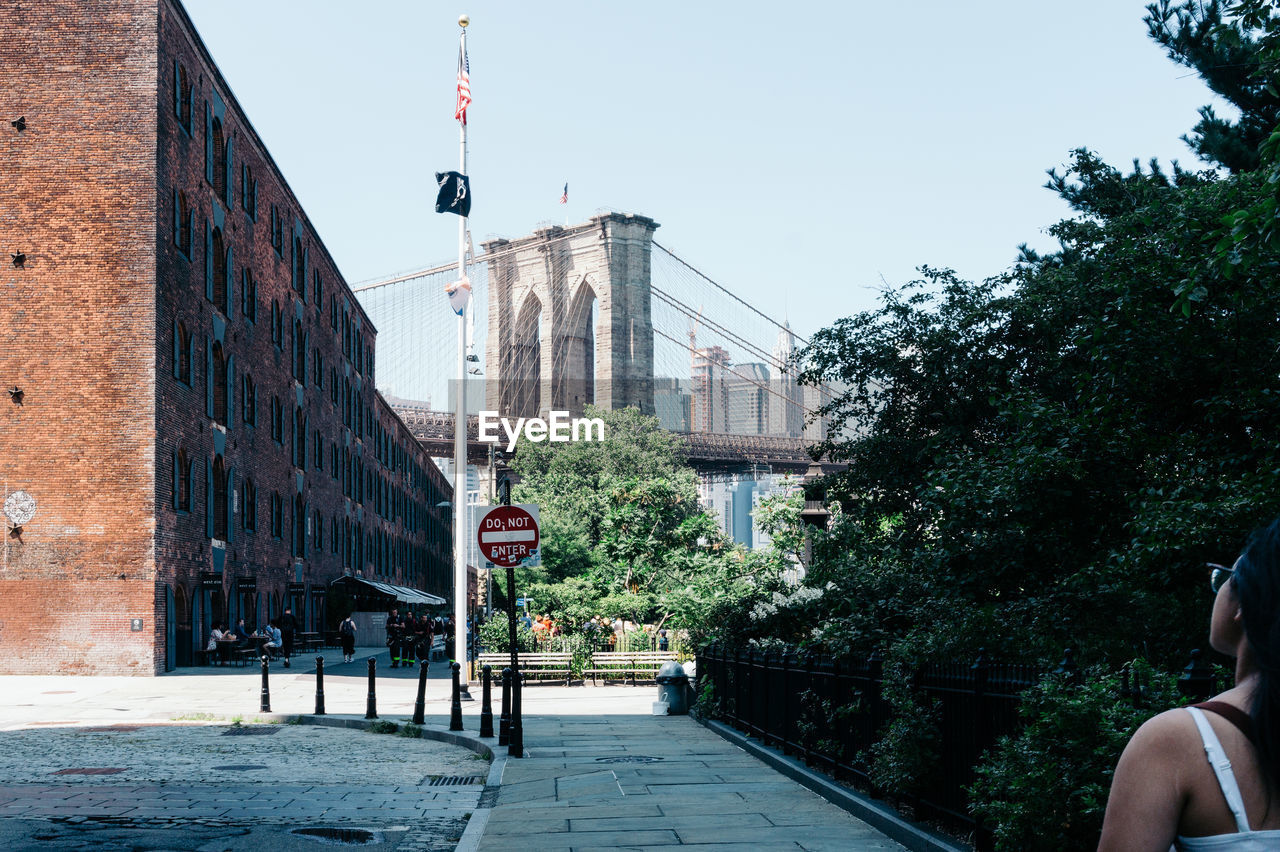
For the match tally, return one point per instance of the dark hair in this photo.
(1257, 579)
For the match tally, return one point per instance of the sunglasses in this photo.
(1219, 575)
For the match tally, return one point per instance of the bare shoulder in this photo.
(1165, 739)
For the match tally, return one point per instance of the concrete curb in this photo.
(875, 814)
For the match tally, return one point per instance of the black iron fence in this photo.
(830, 712)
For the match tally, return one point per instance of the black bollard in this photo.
(486, 707)
(371, 706)
(455, 712)
(515, 748)
(266, 690)
(420, 706)
(319, 685)
(504, 721)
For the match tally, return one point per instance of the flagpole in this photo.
(460, 425)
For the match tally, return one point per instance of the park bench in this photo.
(532, 666)
(627, 665)
(609, 665)
(645, 664)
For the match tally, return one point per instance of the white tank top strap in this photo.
(1222, 768)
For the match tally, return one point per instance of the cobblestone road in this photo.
(218, 787)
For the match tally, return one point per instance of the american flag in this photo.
(564, 196)
(464, 85)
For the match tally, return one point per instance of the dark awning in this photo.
(414, 597)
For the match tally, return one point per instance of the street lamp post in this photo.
(814, 515)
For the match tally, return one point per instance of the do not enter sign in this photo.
(507, 535)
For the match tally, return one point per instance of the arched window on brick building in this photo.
(182, 481)
(218, 360)
(219, 267)
(219, 160)
(249, 511)
(220, 503)
(182, 353)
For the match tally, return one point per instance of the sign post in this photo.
(507, 536)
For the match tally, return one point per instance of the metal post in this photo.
(515, 748)
(371, 705)
(319, 685)
(266, 690)
(455, 711)
(486, 709)
(420, 706)
(504, 722)
(460, 422)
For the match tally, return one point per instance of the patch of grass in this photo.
(411, 730)
(236, 721)
(382, 726)
(293, 720)
(197, 717)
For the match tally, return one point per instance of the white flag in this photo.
(459, 293)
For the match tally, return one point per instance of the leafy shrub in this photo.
(1046, 788)
(495, 636)
(708, 704)
(411, 730)
(382, 726)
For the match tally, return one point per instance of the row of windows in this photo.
(386, 551)
(219, 290)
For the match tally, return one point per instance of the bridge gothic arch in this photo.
(570, 318)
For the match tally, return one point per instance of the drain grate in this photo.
(453, 780)
(251, 731)
(238, 767)
(339, 836)
(104, 770)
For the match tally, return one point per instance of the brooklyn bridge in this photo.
(598, 313)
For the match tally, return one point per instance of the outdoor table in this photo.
(225, 647)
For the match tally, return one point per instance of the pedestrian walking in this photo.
(347, 633)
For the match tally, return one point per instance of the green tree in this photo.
(1225, 43)
(622, 514)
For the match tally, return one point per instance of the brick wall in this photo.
(76, 332)
(122, 101)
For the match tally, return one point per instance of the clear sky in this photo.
(799, 157)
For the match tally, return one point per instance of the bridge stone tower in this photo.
(570, 318)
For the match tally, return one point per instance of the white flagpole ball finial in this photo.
(463, 20)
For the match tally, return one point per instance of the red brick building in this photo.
(193, 406)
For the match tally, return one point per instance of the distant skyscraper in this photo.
(709, 407)
(786, 417)
(671, 403)
(748, 393)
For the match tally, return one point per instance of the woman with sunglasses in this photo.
(1207, 777)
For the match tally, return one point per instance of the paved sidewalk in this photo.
(602, 773)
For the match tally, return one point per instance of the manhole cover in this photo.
(239, 767)
(339, 836)
(251, 731)
(630, 758)
(105, 770)
(453, 780)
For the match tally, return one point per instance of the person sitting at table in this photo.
(274, 638)
(241, 634)
(214, 635)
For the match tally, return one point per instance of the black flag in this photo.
(455, 193)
